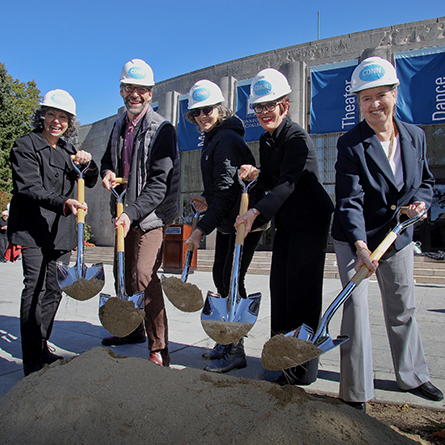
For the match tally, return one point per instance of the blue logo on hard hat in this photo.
(262, 87)
(59, 99)
(372, 72)
(201, 94)
(137, 72)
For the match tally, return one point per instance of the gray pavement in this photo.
(77, 329)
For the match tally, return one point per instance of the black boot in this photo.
(301, 375)
(216, 353)
(234, 357)
(47, 356)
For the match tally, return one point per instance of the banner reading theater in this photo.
(334, 108)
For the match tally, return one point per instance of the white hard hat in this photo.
(61, 100)
(204, 93)
(137, 72)
(268, 85)
(373, 72)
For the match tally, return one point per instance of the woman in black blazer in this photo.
(42, 218)
(302, 211)
(381, 166)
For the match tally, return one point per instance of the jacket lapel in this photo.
(408, 152)
(374, 150)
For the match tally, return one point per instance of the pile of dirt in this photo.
(102, 399)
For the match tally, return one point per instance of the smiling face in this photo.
(136, 98)
(55, 124)
(271, 120)
(207, 121)
(377, 105)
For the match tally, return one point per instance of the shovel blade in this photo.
(83, 287)
(216, 323)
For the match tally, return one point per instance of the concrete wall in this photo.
(294, 61)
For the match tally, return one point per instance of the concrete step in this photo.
(426, 270)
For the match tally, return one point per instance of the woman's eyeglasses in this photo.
(206, 110)
(259, 108)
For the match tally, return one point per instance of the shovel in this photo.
(227, 320)
(81, 282)
(310, 345)
(184, 296)
(121, 315)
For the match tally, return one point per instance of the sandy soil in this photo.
(98, 398)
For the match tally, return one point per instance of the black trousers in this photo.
(296, 277)
(222, 266)
(40, 299)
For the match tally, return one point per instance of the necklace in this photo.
(391, 144)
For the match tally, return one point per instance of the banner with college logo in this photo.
(334, 108)
(421, 93)
(188, 136)
(245, 113)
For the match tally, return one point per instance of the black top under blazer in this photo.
(366, 194)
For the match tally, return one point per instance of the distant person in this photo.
(301, 209)
(3, 235)
(42, 223)
(381, 166)
(142, 148)
(223, 152)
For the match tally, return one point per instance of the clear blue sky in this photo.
(81, 46)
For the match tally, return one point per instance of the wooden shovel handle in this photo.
(241, 229)
(119, 211)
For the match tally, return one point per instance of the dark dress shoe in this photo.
(360, 406)
(428, 390)
(129, 339)
(31, 367)
(234, 357)
(216, 353)
(48, 357)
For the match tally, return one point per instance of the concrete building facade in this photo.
(295, 62)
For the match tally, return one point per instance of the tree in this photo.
(18, 100)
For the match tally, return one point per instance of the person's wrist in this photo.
(255, 212)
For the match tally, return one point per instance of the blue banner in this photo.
(333, 107)
(421, 93)
(247, 115)
(189, 137)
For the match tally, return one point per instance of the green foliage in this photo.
(87, 233)
(18, 100)
(5, 198)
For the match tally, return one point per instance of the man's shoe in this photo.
(428, 390)
(31, 367)
(234, 357)
(216, 353)
(301, 375)
(127, 340)
(47, 356)
(161, 358)
(361, 406)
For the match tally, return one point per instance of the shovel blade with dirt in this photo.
(122, 314)
(184, 296)
(228, 319)
(302, 343)
(81, 282)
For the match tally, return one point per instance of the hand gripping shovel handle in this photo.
(322, 331)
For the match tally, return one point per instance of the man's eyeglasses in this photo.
(259, 108)
(139, 90)
(206, 110)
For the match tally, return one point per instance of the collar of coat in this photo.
(373, 149)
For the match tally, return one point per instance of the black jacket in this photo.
(289, 170)
(224, 151)
(43, 179)
(366, 193)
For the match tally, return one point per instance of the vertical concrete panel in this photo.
(228, 88)
(297, 76)
(168, 106)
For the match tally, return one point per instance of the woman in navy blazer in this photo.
(381, 166)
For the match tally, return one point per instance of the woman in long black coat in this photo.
(302, 211)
